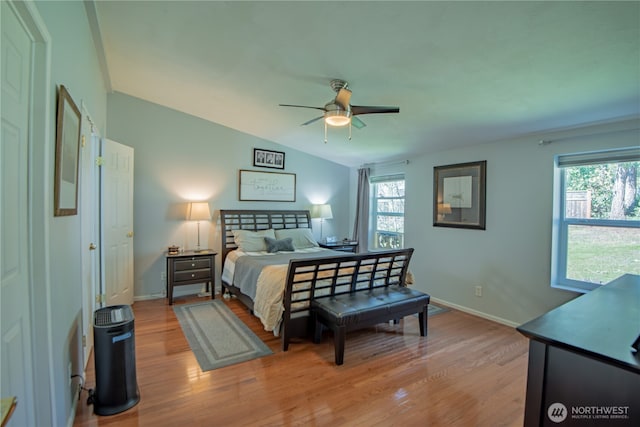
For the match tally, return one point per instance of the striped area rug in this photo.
(216, 336)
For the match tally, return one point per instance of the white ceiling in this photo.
(461, 72)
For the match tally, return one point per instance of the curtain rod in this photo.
(393, 162)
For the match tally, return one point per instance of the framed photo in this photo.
(268, 159)
(258, 186)
(459, 195)
(67, 149)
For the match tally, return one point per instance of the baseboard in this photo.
(177, 292)
(148, 297)
(475, 312)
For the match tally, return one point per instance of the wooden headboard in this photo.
(255, 220)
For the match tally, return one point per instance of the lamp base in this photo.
(197, 249)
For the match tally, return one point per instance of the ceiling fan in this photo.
(339, 112)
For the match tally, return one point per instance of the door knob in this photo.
(130, 234)
(92, 246)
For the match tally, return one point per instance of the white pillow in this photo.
(302, 237)
(252, 241)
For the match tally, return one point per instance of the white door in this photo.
(89, 208)
(16, 352)
(117, 221)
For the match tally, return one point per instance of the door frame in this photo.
(90, 206)
(40, 210)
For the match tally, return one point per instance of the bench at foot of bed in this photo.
(355, 310)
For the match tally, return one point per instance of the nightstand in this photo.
(189, 268)
(342, 246)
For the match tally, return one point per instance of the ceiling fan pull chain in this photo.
(349, 130)
(325, 132)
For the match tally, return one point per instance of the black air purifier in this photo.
(115, 360)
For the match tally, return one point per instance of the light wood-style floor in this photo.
(468, 372)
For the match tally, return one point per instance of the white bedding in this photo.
(267, 304)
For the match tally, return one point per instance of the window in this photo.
(596, 231)
(387, 212)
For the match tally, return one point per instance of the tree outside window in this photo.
(387, 212)
(597, 233)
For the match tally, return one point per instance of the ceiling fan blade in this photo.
(311, 121)
(302, 106)
(343, 98)
(363, 109)
(357, 123)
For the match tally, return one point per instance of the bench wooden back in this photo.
(311, 278)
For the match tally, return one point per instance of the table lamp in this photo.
(323, 212)
(199, 211)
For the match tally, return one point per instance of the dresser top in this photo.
(190, 253)
(601, 324)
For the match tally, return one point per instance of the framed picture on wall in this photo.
(459, 195)
(257, 186)
(268, 158)
(67, 148)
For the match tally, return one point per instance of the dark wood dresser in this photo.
(582, 369)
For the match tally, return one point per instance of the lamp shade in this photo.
(321, 211)
(199, 211)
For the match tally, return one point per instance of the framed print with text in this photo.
(258, 186)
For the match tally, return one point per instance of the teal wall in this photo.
(74, 64)
(179, 158)
(511, 259)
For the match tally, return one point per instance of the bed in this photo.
(277, 284)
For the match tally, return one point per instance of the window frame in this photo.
(561, 224)
(373, 211)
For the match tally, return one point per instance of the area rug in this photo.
(435, 309)
(216, 336)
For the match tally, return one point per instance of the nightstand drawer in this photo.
(182, 276)
(191, 264)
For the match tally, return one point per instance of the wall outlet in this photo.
(163, 276)
(478, 291)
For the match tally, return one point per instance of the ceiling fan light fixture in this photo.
(340, 113)
(337, 117)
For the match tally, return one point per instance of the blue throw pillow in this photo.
(274, 245)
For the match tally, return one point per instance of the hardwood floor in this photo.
(468, 372)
